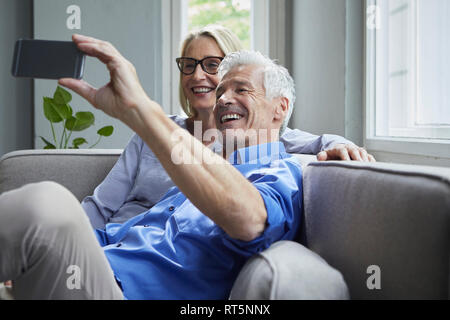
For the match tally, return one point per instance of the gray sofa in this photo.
(385, 227)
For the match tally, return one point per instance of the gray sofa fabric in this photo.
(80, 170)
(395, 217)
(356, 216)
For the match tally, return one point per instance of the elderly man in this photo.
(193, 243)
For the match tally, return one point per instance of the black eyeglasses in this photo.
(209, 64)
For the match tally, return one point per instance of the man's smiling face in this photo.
(241, 103)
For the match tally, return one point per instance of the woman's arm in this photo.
(326, 146)
(111, 194)
(297, 141)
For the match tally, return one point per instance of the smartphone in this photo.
(47, 59)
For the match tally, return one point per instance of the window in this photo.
(408, 73)
(233, 14)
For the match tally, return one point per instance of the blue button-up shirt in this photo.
(173, 251)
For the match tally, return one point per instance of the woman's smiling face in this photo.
(199, 87)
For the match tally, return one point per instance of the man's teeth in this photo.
(229, 117)
(201, 90)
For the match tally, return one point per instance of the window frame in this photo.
(438, 148)
(171, 28)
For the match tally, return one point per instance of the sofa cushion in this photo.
(360, 217)
(288, 271)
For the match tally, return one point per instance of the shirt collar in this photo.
(257, 153)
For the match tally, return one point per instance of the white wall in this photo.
(327, 67)
(16, 112)
(134, 28)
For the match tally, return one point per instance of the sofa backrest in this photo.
(79, 170)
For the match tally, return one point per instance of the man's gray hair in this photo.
(277, 80)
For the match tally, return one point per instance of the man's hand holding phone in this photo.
(123, 96)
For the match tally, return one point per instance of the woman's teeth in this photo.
(201, 90)
(230, 117)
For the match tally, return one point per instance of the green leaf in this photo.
(64, 110)
(81, 121)
(50, 111)
(70, 123)
(48, 145)
(70, 111)
(61, 96)
(78, 141)
(56, 112)
(106, 131)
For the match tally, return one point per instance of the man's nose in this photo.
(225, 99)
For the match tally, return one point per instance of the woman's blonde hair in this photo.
(226, 40)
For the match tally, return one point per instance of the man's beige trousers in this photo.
(48, 247)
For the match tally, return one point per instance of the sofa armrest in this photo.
(79, 170)
(391, 216)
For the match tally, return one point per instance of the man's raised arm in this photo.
(206, 183)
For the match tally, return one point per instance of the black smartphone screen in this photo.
(47, 59)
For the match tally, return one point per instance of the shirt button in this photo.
(171, 208)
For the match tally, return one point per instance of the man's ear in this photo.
(281, 109)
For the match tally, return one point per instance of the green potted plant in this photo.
(58, 110)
